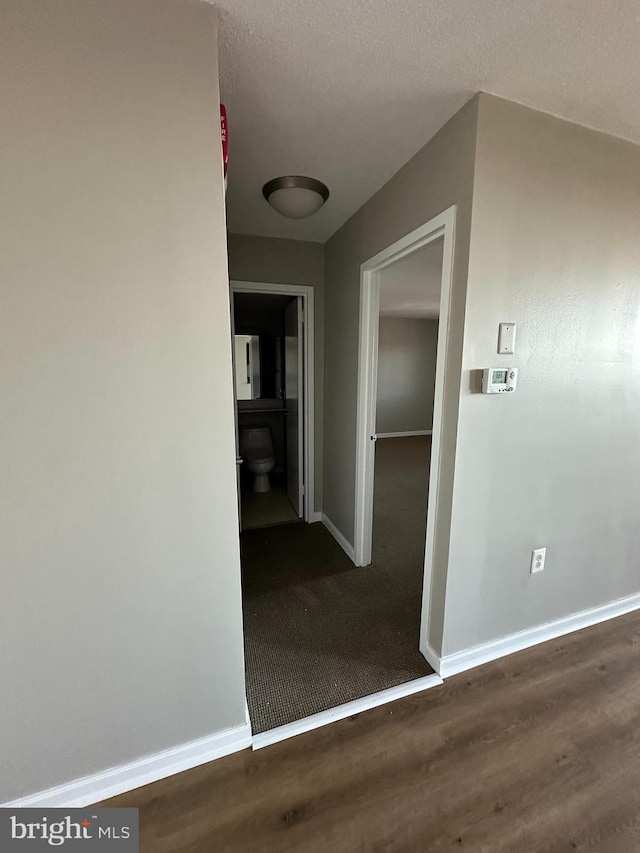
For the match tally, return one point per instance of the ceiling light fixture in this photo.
(295, 196)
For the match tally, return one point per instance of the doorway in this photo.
(326, 638)
(272, 328)
(412, 277)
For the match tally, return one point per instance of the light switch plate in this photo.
(507, 338)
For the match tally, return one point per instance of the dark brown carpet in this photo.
(320, 632)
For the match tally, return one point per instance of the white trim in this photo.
(307, 293)
(346, 546)
(445, 376)
(478, 655)
(117, 780)
(317, 516)
(432, 657)
(403, 434)
(442, 226)
(340, 712)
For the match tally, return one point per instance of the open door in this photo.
(294, 348)
(234, 366)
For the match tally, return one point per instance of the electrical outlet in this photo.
(538, 556)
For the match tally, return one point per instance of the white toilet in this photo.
(256, 448)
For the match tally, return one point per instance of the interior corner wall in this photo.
(555, 249)
(278, 261)
(407, 350)
(120, 613)
(439, 176)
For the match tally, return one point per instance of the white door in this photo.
(235, 366)
(293, 352)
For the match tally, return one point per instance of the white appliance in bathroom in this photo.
(256, 448)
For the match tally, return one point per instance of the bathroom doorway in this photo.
(272, 327)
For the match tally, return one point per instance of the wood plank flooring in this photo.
(537, 753)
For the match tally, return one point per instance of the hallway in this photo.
(320, 632)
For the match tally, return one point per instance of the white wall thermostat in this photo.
(499, 380)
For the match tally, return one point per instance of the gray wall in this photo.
(440, 175)
(269, 259)
(555, 247)
(407, 348)
(120, 612)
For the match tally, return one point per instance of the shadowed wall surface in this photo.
(406, 374)
(120, 613)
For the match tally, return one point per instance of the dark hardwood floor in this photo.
(537, 753)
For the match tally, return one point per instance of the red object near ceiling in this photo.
(224, 135)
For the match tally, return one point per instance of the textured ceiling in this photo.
(411, 286)
(348, 92)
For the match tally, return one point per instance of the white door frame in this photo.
(441, 226)
(306, 292)
(239, 459)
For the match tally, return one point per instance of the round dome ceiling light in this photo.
(295, 196)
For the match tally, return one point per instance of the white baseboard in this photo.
(117, 780)
(315, 516)
(476, 656)
(347, 710)
(432, 658)
(347, 547)
(403, 434)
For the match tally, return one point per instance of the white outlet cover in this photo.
(538, 557)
